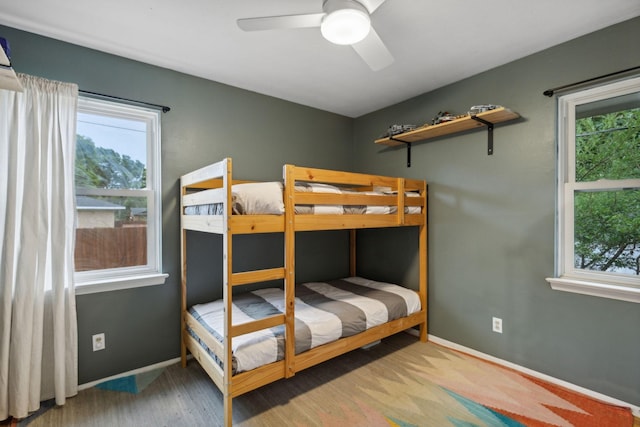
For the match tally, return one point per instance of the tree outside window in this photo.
(607, 223)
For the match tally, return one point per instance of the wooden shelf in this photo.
(463, 124)
(8, 78)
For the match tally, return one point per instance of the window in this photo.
(117, 180)
(598, 195)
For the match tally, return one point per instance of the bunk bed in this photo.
(282, 330)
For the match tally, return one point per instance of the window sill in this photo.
(604, 290)
(114, 284)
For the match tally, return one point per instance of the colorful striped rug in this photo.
(436, 386)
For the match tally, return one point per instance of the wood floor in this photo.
(187, 397)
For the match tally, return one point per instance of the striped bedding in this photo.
(324, 312)
(265, 198)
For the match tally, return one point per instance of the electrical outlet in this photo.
(497, 325)
(98, 342)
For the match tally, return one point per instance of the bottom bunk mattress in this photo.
(324, 312)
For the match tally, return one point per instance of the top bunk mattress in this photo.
(266, 198)
(324, 312)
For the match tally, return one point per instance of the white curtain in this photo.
(37, 214)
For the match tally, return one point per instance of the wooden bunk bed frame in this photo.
(212, 184)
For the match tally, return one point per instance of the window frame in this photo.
(567, 276)
(94, 281)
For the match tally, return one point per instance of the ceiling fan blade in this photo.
(372, 5)
(373, 51)
(281, 22)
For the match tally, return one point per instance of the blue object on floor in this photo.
(131, 384)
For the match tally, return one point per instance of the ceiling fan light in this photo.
(345, 26)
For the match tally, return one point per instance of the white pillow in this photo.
(258, 198)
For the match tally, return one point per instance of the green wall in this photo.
(207, 122)
(491, 220)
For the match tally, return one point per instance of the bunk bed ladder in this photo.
(232, 280)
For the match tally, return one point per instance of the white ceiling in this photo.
(434, 42)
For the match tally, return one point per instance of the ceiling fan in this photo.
(344, 22)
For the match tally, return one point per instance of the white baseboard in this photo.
(594, 394)
(126, 374)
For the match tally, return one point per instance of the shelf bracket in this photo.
(489, 133)
(408, 144)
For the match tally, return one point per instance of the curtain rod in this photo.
(164, 109)
(550, 92)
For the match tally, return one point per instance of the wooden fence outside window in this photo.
(101, 248)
